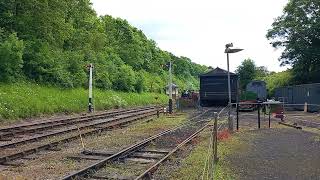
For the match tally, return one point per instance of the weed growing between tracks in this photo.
(25, 100)
(191, 166)
(53, 165)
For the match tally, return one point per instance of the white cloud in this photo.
(200, 29)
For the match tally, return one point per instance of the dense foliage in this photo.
(275, 80)
(298, 31)
(17, 100)
(249, 71)
(52, 41)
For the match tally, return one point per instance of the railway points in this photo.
(147, 154)
(12, 150)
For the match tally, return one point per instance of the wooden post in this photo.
(259, 115)
(215, 137)
(237, 116)
(269, 115)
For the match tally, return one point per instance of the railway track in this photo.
(12, 151)
(144, 156)
(8, 133)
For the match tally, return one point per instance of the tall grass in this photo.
(23, 100)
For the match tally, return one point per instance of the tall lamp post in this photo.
(228, 50)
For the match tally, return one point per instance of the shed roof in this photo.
(218, 72)
(301, 85)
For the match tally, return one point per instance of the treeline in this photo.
(297, 31)
(52, 42)
(249, 71)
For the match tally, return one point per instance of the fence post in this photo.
(237, 116)
(269, 115)
(259, 115)
(215, 137)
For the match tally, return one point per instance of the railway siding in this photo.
(70, 133)
(55, 164)
(144, 157)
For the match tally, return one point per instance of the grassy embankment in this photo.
(24, 100)
(192, 167)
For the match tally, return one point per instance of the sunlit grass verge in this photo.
(192, 166)
(23, 100)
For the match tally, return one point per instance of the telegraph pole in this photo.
(90, 106)
(170, 87)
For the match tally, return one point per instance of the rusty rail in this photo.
(110, 124)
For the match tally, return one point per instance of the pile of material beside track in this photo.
(92, 127)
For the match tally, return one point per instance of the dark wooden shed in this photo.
(214, 87)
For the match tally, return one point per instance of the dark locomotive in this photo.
(214, 87)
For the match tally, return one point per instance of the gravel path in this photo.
(279, 153)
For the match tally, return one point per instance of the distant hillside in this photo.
(51, 42)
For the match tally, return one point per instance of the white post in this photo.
(170, 81)
(170, 88)
(305, 109)
(90, 88)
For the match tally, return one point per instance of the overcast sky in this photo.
(200, 29)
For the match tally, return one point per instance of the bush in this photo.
(125, 79)
(11, 63)
(248, 95)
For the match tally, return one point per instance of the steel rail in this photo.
(151, 169)
(117, 155)
(21, 154)
(41, 126)
(127, 151)
(55, 120)
(73, 129)
(65, 122)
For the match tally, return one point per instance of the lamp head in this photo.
(229, 45)
(235, 50)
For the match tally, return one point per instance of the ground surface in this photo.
(56, 164)
(278, 153)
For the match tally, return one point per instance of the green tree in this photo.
(125, 79)
(275, 80)
(261, 72)
(61, 37)
(246, 72)
(11, 51)
(298, 31)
